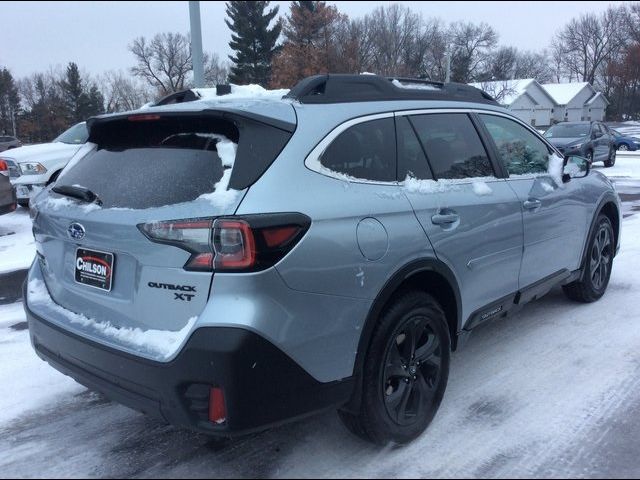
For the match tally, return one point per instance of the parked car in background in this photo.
(8, 142)
(591, 140)
(194, 274)
(7, 191)
(33, 167)
(625, 142)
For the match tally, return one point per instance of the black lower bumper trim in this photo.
(262, 385)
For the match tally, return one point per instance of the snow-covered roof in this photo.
(505, 91)
(563, 93)
(595, 97)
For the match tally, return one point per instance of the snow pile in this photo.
(17, 246)
(241, 91)
(481, 188)
(62, 203)
(414, 86)
(222, 197)
(556, 167)
(479, 185)
(157, 342)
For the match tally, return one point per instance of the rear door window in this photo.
(364, 151)
(452, 145)
(520, 150)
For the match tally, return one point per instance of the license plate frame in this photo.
(95, 269)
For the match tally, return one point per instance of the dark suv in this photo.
(591, 140)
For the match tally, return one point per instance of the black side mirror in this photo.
(575, 167)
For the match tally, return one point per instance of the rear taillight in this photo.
(4, 168)
(233, 244)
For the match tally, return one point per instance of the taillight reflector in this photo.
(217, 407)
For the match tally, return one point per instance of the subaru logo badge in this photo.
(76, 231)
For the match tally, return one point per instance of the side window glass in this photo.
(520, 150)
(365, 151)
(411, 159)
(452, 145)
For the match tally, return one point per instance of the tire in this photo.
(401, 394)
(597, 265)
(623, 147)
(611, 160)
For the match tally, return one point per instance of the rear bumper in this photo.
(262, 386)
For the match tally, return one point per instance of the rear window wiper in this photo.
(76, 191)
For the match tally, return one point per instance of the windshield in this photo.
(568, 131)
(76, 135)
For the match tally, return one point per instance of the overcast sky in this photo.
(95, 35)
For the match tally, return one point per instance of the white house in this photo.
(524, 97)
(576, 102)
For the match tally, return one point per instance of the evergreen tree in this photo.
(9, 102)
(253, 41)
(81, 100)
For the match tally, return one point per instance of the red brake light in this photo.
(234, 245)
(142, 118)
(3, 165)
(279, 236)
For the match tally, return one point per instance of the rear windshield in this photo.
(154, 170)
(149, 161)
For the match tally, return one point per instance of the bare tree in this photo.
(471, 45)
(164, 62)
(122, 93)
(585, 43)
(215, 70)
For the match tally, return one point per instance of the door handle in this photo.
(532, 204)
(445, 218)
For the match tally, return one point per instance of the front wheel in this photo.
(597, 265)
(611, 159)
(405, 371)
(623, 147)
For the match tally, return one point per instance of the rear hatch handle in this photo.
(76, 191)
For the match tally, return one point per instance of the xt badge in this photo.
(185, 297)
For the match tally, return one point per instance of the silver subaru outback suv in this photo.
(232, 264)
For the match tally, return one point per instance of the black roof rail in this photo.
(345, 88)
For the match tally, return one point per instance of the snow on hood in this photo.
(563, 142)
(43, 152)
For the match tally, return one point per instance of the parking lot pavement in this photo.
(553, 391)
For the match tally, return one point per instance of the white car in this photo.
(33, 167)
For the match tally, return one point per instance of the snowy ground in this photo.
(553, 391)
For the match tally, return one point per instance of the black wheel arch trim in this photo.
(391, 286)
(608, 197)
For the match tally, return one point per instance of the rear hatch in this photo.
(124, 236)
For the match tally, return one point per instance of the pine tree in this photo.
(81, 100)
(9, 102)
(252, 40)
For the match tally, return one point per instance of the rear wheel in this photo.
(597, 266)
(623, 147)
(611, 159)
(405, 371)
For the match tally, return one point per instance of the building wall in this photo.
(525, 108)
